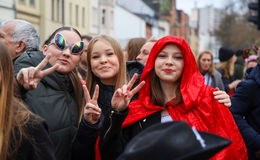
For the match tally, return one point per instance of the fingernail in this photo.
(83, 82)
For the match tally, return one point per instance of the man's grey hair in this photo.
(24, 31)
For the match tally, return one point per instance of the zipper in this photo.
(140, 125)
(110, 126)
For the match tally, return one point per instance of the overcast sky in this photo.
(187, 5)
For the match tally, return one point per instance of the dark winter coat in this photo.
(226, 81)
(246, 110)
(239, 68)
(38, 145)
(54, 101)
(84, 144)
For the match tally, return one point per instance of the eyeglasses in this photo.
(60, 43)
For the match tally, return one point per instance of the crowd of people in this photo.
(78, 97)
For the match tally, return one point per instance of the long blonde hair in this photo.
(121, 76)
(228, 67)
(13, 114)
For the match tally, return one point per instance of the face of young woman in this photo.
(65, 60)
(104, 62)
(169, 64)
(205, 62)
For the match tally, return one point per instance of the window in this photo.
(70, 10)
(112, 19)
(83, 17)
(62, 12)
(103, 16)
(32, 2)
(22, 1)
(77, 15)
(58, 10)
(95, 17)
(52, 10)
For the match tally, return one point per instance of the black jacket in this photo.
(111, 146)
(226, 81)
(83, 146)
(246, 110)
(54, 101)
(38, 146)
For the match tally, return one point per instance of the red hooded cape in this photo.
(199, 107)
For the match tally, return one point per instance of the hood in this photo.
(191, 80)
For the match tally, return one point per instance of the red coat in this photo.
(199, 107)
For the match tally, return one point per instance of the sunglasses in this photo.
(60, 42)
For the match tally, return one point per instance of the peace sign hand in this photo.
(123, 95)
(92, 111)
(30, 77)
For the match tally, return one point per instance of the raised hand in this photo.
(222, 97)
(92, 111)
(30, 77)
(123, 95)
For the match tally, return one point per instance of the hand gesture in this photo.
(123, 95)
(222, 97)
(30, 77)
(91, 110)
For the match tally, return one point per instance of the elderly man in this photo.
(19, 36)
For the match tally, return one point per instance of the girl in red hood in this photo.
(174, 90)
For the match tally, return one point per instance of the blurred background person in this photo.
(145, 50)
(250, 58)
(19, 36)
(133, 48)
(207, 69)
(246, 111)
(82, 67)
(226, 67)
(23, 135)
(239, 65)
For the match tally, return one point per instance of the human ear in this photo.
(20, 47)
(44, 49)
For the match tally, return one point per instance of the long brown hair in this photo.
(133, 47)
(121, 76)
(77, 87)
(13, 114)
(157, 94)
(211, 68)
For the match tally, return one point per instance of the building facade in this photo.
(106, 17)
(125, 28)
(48, 15)
(7, 7)
(30, 11)
(209, 19)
